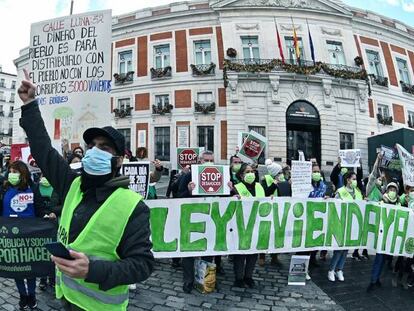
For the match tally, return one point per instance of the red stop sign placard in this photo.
(187, 157)
(252, 148)
(211, 179)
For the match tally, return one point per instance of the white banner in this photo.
(220, 226)
(70, 64)
(407, 166)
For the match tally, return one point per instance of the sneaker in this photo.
(249, 282)
(23, 302)
(133, 286)
(32, 302)
(308, 277)
(340, 275)
(356, 256)
(188, 287)
(331, 276)
(239, 283)
(43, 284)
(365, 254)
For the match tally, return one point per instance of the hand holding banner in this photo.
(301, 178)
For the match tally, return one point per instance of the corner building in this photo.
(198, 73)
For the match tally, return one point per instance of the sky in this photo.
(17, 15)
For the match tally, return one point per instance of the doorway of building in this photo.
(303, 131)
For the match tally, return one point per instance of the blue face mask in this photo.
(97, 162)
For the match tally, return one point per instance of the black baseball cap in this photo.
(109, 132)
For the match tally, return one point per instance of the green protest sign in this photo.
(252, 147)
(220, 226)
(211, 179)
(187, 156)
(22, 254)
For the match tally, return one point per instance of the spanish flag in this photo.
(296, 43)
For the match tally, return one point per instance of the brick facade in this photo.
(142, 66)
(181, 51)
(126, 42)
(392, 76)
(183, 99)
(142, 102)
(398, 111)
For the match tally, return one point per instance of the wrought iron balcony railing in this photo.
(407, 88)
(161, 73)
(378, 80)
(122, 113)
(204, 107)
(161, 110)
(203, 69)
(124, 78)
(384, 120)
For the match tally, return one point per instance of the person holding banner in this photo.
(244, 264)
(104, 224)
(375, 182)
(235, 165)
(389, 197)
(348, 192)
(20, 199)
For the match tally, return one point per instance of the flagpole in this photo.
(295, 42)
(279, 42)
(312, 48)
(71, 7)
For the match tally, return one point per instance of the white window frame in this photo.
(203, 52)
(288, 38)
(126, 65)
(163, 96)
(251, 46)
(162, 55)
(336, 43)
(397, 59)
(379, 62)
(383, 110)
(120, 104)
(205, 102)
(410, 116)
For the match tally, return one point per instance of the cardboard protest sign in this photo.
(221, 226)
(188, 156)
(22, 254)
(70, 64)
(301, 176)
(350, 157)
(298, 269)
(252, 147)
(211, 179)
(139, 176)
(407, 165)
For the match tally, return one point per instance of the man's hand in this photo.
(27, 90)
(158, 165)
(77, 269)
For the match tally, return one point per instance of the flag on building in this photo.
(279, 43)
(296, 43)
(312, 48)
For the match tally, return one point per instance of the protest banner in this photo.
(222, 226)
(22, 254)
(188, 156)
(301, 175)
(407, 165)
(390, 158)
(350, 157)
(298, 269)
(252, 147)
(139, 176)
(210, 179)
(70, 64)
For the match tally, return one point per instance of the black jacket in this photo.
(136, 259)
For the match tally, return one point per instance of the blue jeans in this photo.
(338, 260)
(21, 286)
(377, 267)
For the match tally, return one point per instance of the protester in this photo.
(185, 189)
(52, 208)
(235, 165)
(376, 182)
(389, 197)
(348, 192)
(18, 182)
(244, 264)
(78, 151)
(104, 224)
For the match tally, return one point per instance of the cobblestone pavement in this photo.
(163, 291)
